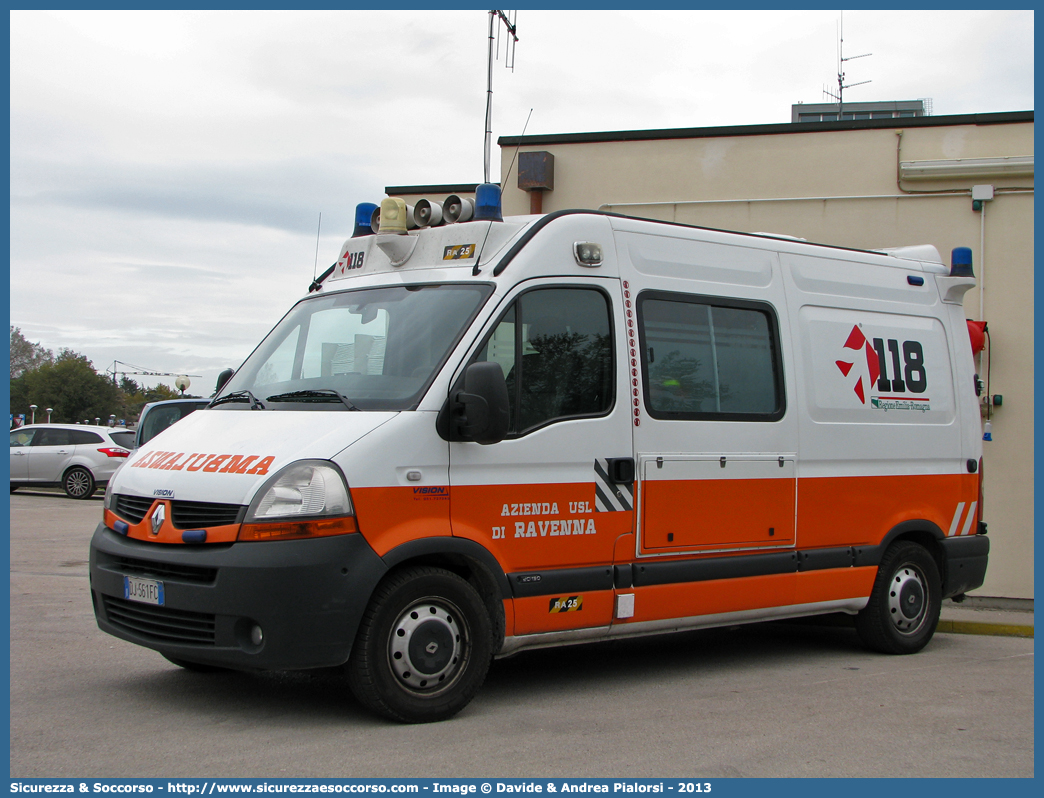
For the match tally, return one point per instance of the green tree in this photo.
(70, 385)
(25, 355)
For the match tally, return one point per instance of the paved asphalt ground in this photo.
(767, 700)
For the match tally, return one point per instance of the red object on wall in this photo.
(977, 333)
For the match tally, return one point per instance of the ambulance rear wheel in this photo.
(904, 605)
(423, 647)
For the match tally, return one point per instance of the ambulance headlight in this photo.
(305, 499)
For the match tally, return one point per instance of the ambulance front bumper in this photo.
(272, 605)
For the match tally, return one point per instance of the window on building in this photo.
(705, 358)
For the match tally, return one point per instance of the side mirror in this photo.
(484, 413)
(223, 377)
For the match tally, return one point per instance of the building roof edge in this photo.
(1003, 118)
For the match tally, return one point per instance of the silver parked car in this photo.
(75, 457)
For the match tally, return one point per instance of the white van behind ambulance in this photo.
(483, 437)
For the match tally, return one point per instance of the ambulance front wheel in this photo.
(903, 610)
(423, 647)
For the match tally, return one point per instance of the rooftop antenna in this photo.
(841, 69)
(315, 266)
(509, 61)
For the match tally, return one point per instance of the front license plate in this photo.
(147, 591)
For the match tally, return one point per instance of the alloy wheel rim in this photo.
(77, 483)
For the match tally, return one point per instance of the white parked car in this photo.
(75, 457)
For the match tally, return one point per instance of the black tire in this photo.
(196, 667)
(78, 483)
(904, 605)
(423, 647)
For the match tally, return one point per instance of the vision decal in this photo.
(433, 493)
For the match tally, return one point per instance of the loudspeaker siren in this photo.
(458, 209)
(427, 213)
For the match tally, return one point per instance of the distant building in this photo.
(828, 112)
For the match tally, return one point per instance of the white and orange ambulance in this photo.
(477, 438)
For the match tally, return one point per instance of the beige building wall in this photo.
(836, 183)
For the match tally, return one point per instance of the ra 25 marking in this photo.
(566, 604)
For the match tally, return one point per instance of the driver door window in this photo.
(555, 347)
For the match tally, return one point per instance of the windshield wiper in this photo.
(239, 396)
(319, 395)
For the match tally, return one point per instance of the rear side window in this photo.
(83, 436)
(709, 358)
(125, 439)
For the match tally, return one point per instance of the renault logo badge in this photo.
(158, 516)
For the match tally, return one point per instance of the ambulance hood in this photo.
(225, 456)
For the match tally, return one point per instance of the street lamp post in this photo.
(49, 411)
(33, 408)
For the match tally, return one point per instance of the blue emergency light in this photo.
(487, 203)
(363, 215)
(961, 262)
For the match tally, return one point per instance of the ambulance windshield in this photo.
(373, 349)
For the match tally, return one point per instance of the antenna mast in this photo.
(841, 70)
(509, 58)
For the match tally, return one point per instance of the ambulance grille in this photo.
(184, 514)
(199, 515)
(131, 508)
(165, 570)
(160, 623)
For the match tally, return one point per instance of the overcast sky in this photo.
(168, 169)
